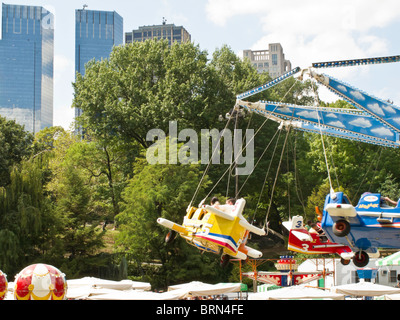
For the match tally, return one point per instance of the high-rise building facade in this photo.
(271, 60)
(26, 66)
(164, 31)
(96, 33)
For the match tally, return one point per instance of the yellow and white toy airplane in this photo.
(220, 229)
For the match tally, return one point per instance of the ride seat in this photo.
(225, 208)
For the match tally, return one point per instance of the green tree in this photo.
(15, 145)
(143, 86)
(73, 191)
(104, 166)
(28, 227)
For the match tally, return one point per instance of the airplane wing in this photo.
(341, 210)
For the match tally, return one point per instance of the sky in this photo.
(308, 30)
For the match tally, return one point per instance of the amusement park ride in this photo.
(303, 241)
(352, 232)
(220, 229)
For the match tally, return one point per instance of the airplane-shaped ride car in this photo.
(218, 229)
(365, 228)
(303, 241)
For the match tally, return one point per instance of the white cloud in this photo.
(357, 95)
(63, 116)
(64, 73)
(376, 108)
(308, 114)
(337, 124)
(63, 65)
(313, 31)
(331, 115)
(383, 132)
(360, 122)
(389, 109)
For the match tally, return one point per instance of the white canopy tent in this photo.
(87, 287)
(364, 289)
(196, 288)
(136, 295)
(108, 284)
(176, 292)
(296, 293)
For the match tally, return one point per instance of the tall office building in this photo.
(271, 60)
(26, 66)
(164, 31)
(96, 33)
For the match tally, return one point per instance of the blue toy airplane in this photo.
(364, 228)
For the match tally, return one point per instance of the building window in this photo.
(274, 59)
(393, 276)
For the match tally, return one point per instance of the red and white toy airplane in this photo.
(303, 241)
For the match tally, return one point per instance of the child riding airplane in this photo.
(313, 241)
(220, 229)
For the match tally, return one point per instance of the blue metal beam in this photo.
(356, 62)
(349, 124)
(383, 111)
(268, 85)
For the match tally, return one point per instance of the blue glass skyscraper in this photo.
(96, 33)
(26, 66)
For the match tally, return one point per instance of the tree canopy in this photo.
(89, 203)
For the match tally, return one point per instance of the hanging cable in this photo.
(316, 103)
(379, 153)
(276, 179)
(267, 174)
(233, 162)
(298, 189)
(240, 153)
(208, 165)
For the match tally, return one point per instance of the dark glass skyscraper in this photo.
(96, 33)
(26, 66)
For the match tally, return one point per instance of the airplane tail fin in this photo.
(297, 223)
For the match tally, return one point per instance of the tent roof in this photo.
(108, 284)
(296, 293)
(87, 287)
(364, 289)
(392, 260)
(136, 295)
(196, 288)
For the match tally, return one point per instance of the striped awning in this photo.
(392, 260)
